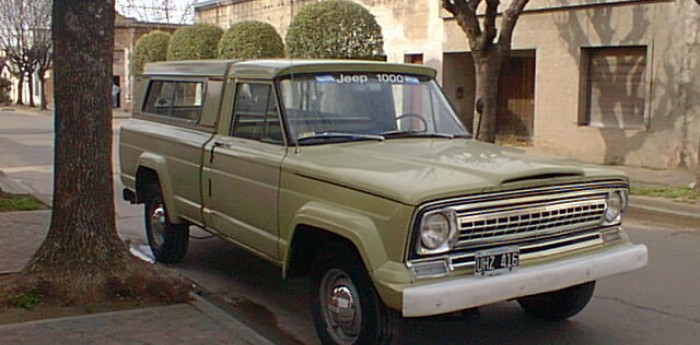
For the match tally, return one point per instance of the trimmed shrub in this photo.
(251, 40)
(335, 29)
(195, 42)
(151, 47)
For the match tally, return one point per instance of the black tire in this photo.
(558, 305)
(339, 275)
(168, 241)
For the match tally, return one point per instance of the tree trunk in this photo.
(30, 82)
(487, 66)
(42, 91)
(697, 172)
(83, 259)
(20, 87)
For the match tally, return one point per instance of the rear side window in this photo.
(175, 99)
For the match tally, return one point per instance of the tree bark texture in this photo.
(487, 75)
(697, 173)
(490, 48)
(20, 87)
(83, 259)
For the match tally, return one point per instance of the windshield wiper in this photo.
(326, 137)
(417, 134)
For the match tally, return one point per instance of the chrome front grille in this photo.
(509, 223)
(541, 222)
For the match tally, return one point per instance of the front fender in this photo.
(357, 228)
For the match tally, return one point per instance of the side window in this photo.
(255, 114)
(175, 99)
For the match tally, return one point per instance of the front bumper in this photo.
(474, 291)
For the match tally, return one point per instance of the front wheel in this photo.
(346, 307)
(168, 241)
(558, 305)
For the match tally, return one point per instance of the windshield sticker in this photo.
(390, 78)
(383, 78)
(352, 79)
(325, 79)
(411, 80)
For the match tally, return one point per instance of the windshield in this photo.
(329, 107)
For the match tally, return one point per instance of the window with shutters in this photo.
(614, 91)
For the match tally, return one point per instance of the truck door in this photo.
(241, 171)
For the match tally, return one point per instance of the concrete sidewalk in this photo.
(197, 322)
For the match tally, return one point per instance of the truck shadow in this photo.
(253, 291)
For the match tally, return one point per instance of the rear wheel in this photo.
(168, 241)
(558, 305)
(346, 307)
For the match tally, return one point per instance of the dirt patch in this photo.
(45, 310)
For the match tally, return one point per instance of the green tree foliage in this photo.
(335, 29)
(196, 42)
(151, 47)
(251, 40)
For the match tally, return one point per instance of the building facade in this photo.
(604, 81)
(126, 32)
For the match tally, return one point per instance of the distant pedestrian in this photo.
(115, 96)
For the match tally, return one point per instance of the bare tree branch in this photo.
(490, 30)
(464, 12)
(510, 18)
(25, 39)
(166, 11)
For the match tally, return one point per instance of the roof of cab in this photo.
(270, 69)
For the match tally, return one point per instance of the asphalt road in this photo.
(656, 305)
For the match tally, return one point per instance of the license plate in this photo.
(497, 260)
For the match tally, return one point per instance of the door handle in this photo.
(213, 147)
(222, 144)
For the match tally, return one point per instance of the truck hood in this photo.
(413, 171)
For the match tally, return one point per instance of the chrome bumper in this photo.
(474, 291)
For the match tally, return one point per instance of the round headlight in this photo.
(617, 201)
(434, 230)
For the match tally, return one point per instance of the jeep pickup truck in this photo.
(360, 176)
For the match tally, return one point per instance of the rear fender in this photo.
(158, 165)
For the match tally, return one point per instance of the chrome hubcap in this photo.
(158, 224)
(341, 308)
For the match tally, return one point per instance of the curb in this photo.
(666, 207)
(13, 186)
(116, 113)
(244, 334)
(10, 185)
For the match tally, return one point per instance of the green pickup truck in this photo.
(360, 176)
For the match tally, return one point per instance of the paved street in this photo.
(656, 305)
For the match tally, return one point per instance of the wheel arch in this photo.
(153, 168)
(317, 224)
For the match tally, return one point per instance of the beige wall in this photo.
(557, 30)
(126, 32)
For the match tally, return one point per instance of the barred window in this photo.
(614, 92)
